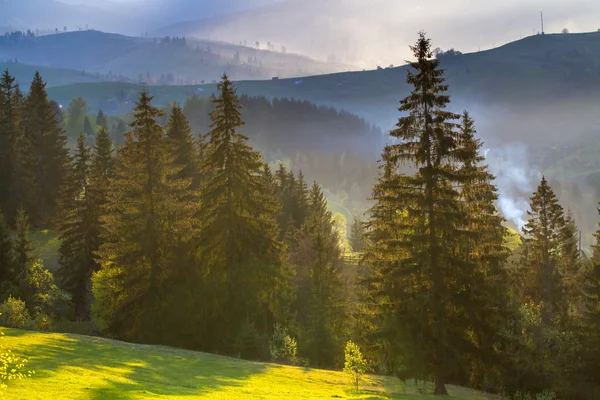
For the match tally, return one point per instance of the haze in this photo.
(357, 32)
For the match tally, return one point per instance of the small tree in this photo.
(355, 364)
(565, 31)
(282, 346)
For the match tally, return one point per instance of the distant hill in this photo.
(541, 87)
(53, 76)
(158, 61)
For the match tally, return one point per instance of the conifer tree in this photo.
(10, 117)
(320, 304)
(357, 237)
(78, 232)
(543, 245)
(180, 135)
(101, 121)
(418, 277)
(488, 307)
(571, 264)
(6, 252)
(147, 218)
(46, 157)
(238, 243)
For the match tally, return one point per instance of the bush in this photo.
(282, 347)
(355, 364)
(14, 314)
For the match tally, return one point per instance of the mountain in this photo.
(149, 59)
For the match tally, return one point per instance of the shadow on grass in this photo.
(129, 370)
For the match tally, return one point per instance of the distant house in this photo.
(298, 82)
(200, 89)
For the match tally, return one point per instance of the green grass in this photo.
(84, 367)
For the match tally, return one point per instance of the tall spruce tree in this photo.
(87, 127)
(79, 232)
(542, 254)
(320, 304)
(420, 276)
(45, 155)
(10, 116)
(146, 220)
(487, 307)
(238, 243)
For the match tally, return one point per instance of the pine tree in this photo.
(357, 235)
(6, 252)
(118, 133)
(417, 277)
(146, 220)
(45, 156)
(180, 134)
(320, 304)
(78, 232)
(543, 245)
(23, 249)
(238, 245)
(101, 121)
(571, 264)
(10, 117)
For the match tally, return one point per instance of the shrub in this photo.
(14, 314)
(282, 347)
(355, 364)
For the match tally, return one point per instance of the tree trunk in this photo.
(440, 385)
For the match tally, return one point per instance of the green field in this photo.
(83, 367)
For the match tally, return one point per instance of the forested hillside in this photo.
(198, 242)
(157, 61)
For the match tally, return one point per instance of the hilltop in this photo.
(91, 367)
(158, 60)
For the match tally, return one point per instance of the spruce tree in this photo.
(180, 135)
(46, 158)
(543, 244)
(78, 232)
(487, 306)
(101, 121)
(146, 220)
(238, 243)
(357, 235)
(418, 278)
(571, 264)
(6, 252)
(10, 116)
(320, 303)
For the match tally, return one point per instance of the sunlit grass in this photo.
(82, 367)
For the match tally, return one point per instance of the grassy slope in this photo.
(83, 367)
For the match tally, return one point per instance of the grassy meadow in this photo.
(84, 367)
